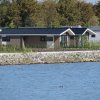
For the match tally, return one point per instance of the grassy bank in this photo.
(9, 49)
(86, 46)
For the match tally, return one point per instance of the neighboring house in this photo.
(96, 29)
(44, 37)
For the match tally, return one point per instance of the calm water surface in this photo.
(69, 81)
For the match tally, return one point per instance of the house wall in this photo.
(14, 41)
(75, 42)
(71, 42)
(34, 41)
(96, 38)
(56, 41)
(31, 41)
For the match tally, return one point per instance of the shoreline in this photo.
(49, 57)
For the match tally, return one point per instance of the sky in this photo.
(92, 1)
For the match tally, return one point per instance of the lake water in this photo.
(69, 81)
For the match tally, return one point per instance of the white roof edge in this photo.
(89, 31)
(68, 30)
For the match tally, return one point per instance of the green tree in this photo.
(27, 9)
(68, 11)
(86, 13)
(9, 12)
(94, 21)
(97, 10)
(3, 18)
(50, 15)
(3, 13)
(12, 25)
(13, 14)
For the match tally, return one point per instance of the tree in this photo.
(27, 10)
(13, 14)
(68, 11)
(94, 21)
(50, 15)
(3, 13)
(86, 13)
(12, 25)
(97, 10)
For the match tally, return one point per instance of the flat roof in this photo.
(40, 31)
(95, 28)
(32, 31)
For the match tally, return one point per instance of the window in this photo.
(49, 38)
(93, 36)
(42, 38)
(6, 39)
(71, 37)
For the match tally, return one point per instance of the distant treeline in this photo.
(48, 13)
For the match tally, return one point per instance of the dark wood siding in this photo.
(56, 41)
(34, 41)
(14, 41)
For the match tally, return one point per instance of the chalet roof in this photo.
(78, 30)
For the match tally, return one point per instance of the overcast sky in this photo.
(92, 1)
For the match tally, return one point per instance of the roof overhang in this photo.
(90, 32)
(68, 31)
(29, 34)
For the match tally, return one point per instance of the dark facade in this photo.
(35, 41)
(10, 40)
